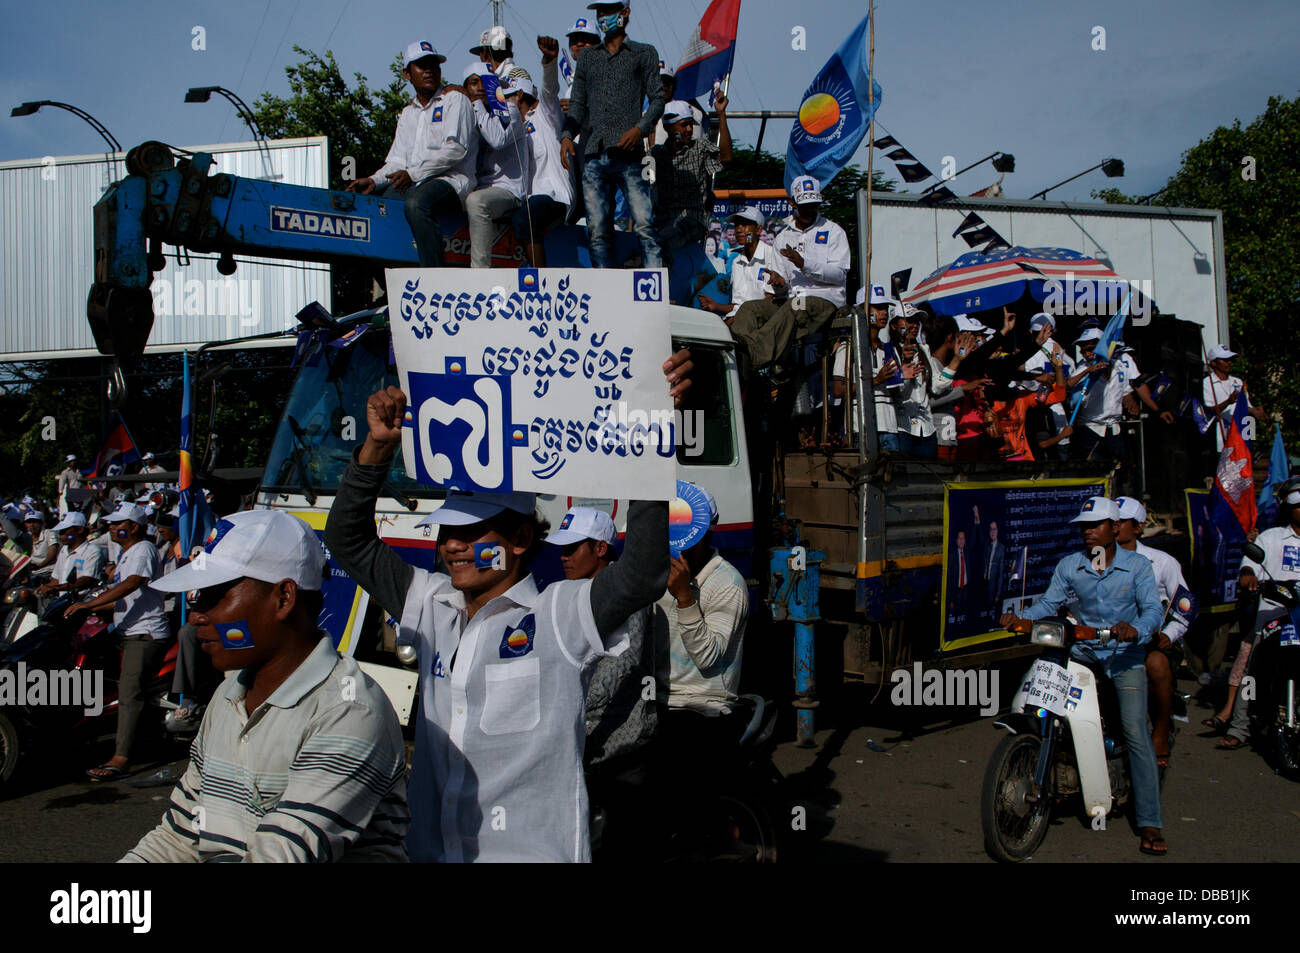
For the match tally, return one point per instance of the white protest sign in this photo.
(538, 380)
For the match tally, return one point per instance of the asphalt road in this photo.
(890, 784)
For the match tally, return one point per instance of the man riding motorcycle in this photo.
(1108, 586)
(1281, 547)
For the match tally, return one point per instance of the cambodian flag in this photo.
(195, 517)
(118, 452)
(834, 113)
(709, 52)
(1232, 500)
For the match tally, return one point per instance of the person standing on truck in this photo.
(610, 82)
(1042, 327)
(1097, 431)
(1111, 587)
(432, 161)
(497, 769)
(685, 164)
(300, 755)
(1161, 654)
(496, 50)
(139, 621)
(549, 192)
(1220, 389)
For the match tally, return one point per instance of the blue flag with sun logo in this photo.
(834, 113)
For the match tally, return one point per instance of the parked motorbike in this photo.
(1275, 666)
(1066, 738)
(68, 646)
(729, 817)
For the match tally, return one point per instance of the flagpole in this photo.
(871, 134)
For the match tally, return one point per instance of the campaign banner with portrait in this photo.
(1215, 556)
(1001, 542)
(537, 380)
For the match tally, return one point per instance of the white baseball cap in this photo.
(148, 456)
(676, 111)
(465, 509)
(1130, 509)
(1219, 352)
(584, 25)
(519, 84)
(750, 213)
(583, 522)
(269, 545)
(494, 38)
(127, 511)
(1041, 320)
(878, 295)
(1096, 509)
(33, 514)
(664, 70)
(70, 457)
(419, 50)
(71, 521)
(805, 189)
(1091, 334)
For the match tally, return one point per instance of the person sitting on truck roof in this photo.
(300, 755)
(685, 164)
(497, 769)
(504, 166)
(758, 274)
(432, 161)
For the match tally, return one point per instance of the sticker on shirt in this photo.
(530, 127)
(517, 641)
(1291, 558)
(822, 238)
(437, 114)
(235, 635)
(438, 670)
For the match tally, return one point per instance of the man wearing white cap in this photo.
(758, 273)
(1097, 428)
(300, 756)
(69, 479)
(557, 70)
(1042, 326)
(496, 49)
(80, 560)
(685, 164)
(1160, 662)
(884, 371)
(149, 464)
(620, 718)
(1107, 586)
(497, 769)
(504, 164)
(549, 190)
(431, 164)
(44, 542)
(139, 622)
(1220, 389)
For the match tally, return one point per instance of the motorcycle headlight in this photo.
(10, 596)
(1048, 634)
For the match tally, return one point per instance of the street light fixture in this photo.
(1111, 168)
(30, 109)
(201, 94)
(1002, 162)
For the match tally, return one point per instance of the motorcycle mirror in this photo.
(1253, 552)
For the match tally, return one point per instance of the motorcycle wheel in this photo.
(1013, 827)
(10, 750)
(1286, 751)
(734, 828)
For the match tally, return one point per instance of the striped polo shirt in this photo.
(316, 773)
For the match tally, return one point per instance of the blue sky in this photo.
(960, 79)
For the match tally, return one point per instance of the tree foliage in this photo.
(1252, 174)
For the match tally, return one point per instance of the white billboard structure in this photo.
(46, 267)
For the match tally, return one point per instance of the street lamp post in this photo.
(201, 94)
(30, 109)
(1002, 162)
(1111, 168)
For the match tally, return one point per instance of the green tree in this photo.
(1252, 174)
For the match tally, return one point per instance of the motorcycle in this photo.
(69, 647)
(729, 817)
(1275, 664)
(1065, 739)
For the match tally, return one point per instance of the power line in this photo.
(346, 4)
(279, 46)
(221, 136)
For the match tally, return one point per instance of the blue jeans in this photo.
(1131, 687)
(893, 441)
(600, 175)
(424, 204)
(919, 446)
(536, 217)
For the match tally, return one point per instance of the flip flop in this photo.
(1217, 723)
(1230, 744)
(1152, 843)
(106, 772)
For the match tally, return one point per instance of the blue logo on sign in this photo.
(647, 286)
(462, 440)
(456, 366)
(517, 640)
(528, 280)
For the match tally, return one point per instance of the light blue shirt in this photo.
(1125, 592)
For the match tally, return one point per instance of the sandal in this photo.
(1152, 843)
(1217, 723)
(1230, 744)
(106, 772)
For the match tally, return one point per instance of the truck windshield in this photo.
(325, 420)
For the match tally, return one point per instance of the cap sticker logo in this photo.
(517, 641)
(567, 521)
(220, 530)
(426, 46)
(1089, 506)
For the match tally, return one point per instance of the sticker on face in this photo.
(235, 635)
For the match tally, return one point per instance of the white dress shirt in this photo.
(749, 276)
(1104, 405)
(1169, 576)
(549, 176)
(1214, 390)
(1281, 548)
(505, 157)
(436, 139)
(825, 251)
